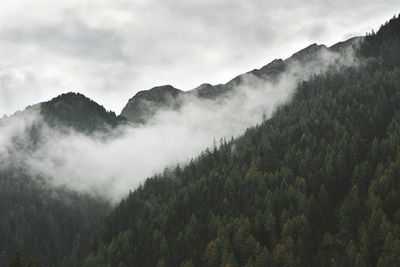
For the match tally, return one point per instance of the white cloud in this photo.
(109, 50)
(111, 167)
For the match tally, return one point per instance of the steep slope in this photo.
(316, 185)
(142, 107)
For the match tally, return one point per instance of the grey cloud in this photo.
(109, 50)
(72, 38)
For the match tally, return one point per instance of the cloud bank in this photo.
(110, 167)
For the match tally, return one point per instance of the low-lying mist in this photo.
(112, 166)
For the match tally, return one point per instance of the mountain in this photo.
(49, 225)
(145, 104)
(79, 112)
(317, 184)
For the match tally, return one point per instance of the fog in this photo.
(111, 166)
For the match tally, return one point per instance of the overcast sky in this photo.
(109, 50)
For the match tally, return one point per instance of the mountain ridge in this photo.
(83, 114)
(141, 107)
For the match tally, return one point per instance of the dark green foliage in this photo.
(18, 262)
(318, 184)
(79, 112)
(50, 226)
(385, 44)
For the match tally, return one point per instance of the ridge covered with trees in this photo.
(79, 112)
(318, 184)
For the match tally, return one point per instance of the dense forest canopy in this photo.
(48, 225)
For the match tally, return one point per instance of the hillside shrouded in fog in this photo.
(108, 163)
(295, 163)
(317, 184)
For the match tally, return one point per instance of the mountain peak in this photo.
(145, 103)
(79, 112)
(157, 93)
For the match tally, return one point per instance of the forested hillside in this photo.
(318, 184)
(44, 224)
(50, 227)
